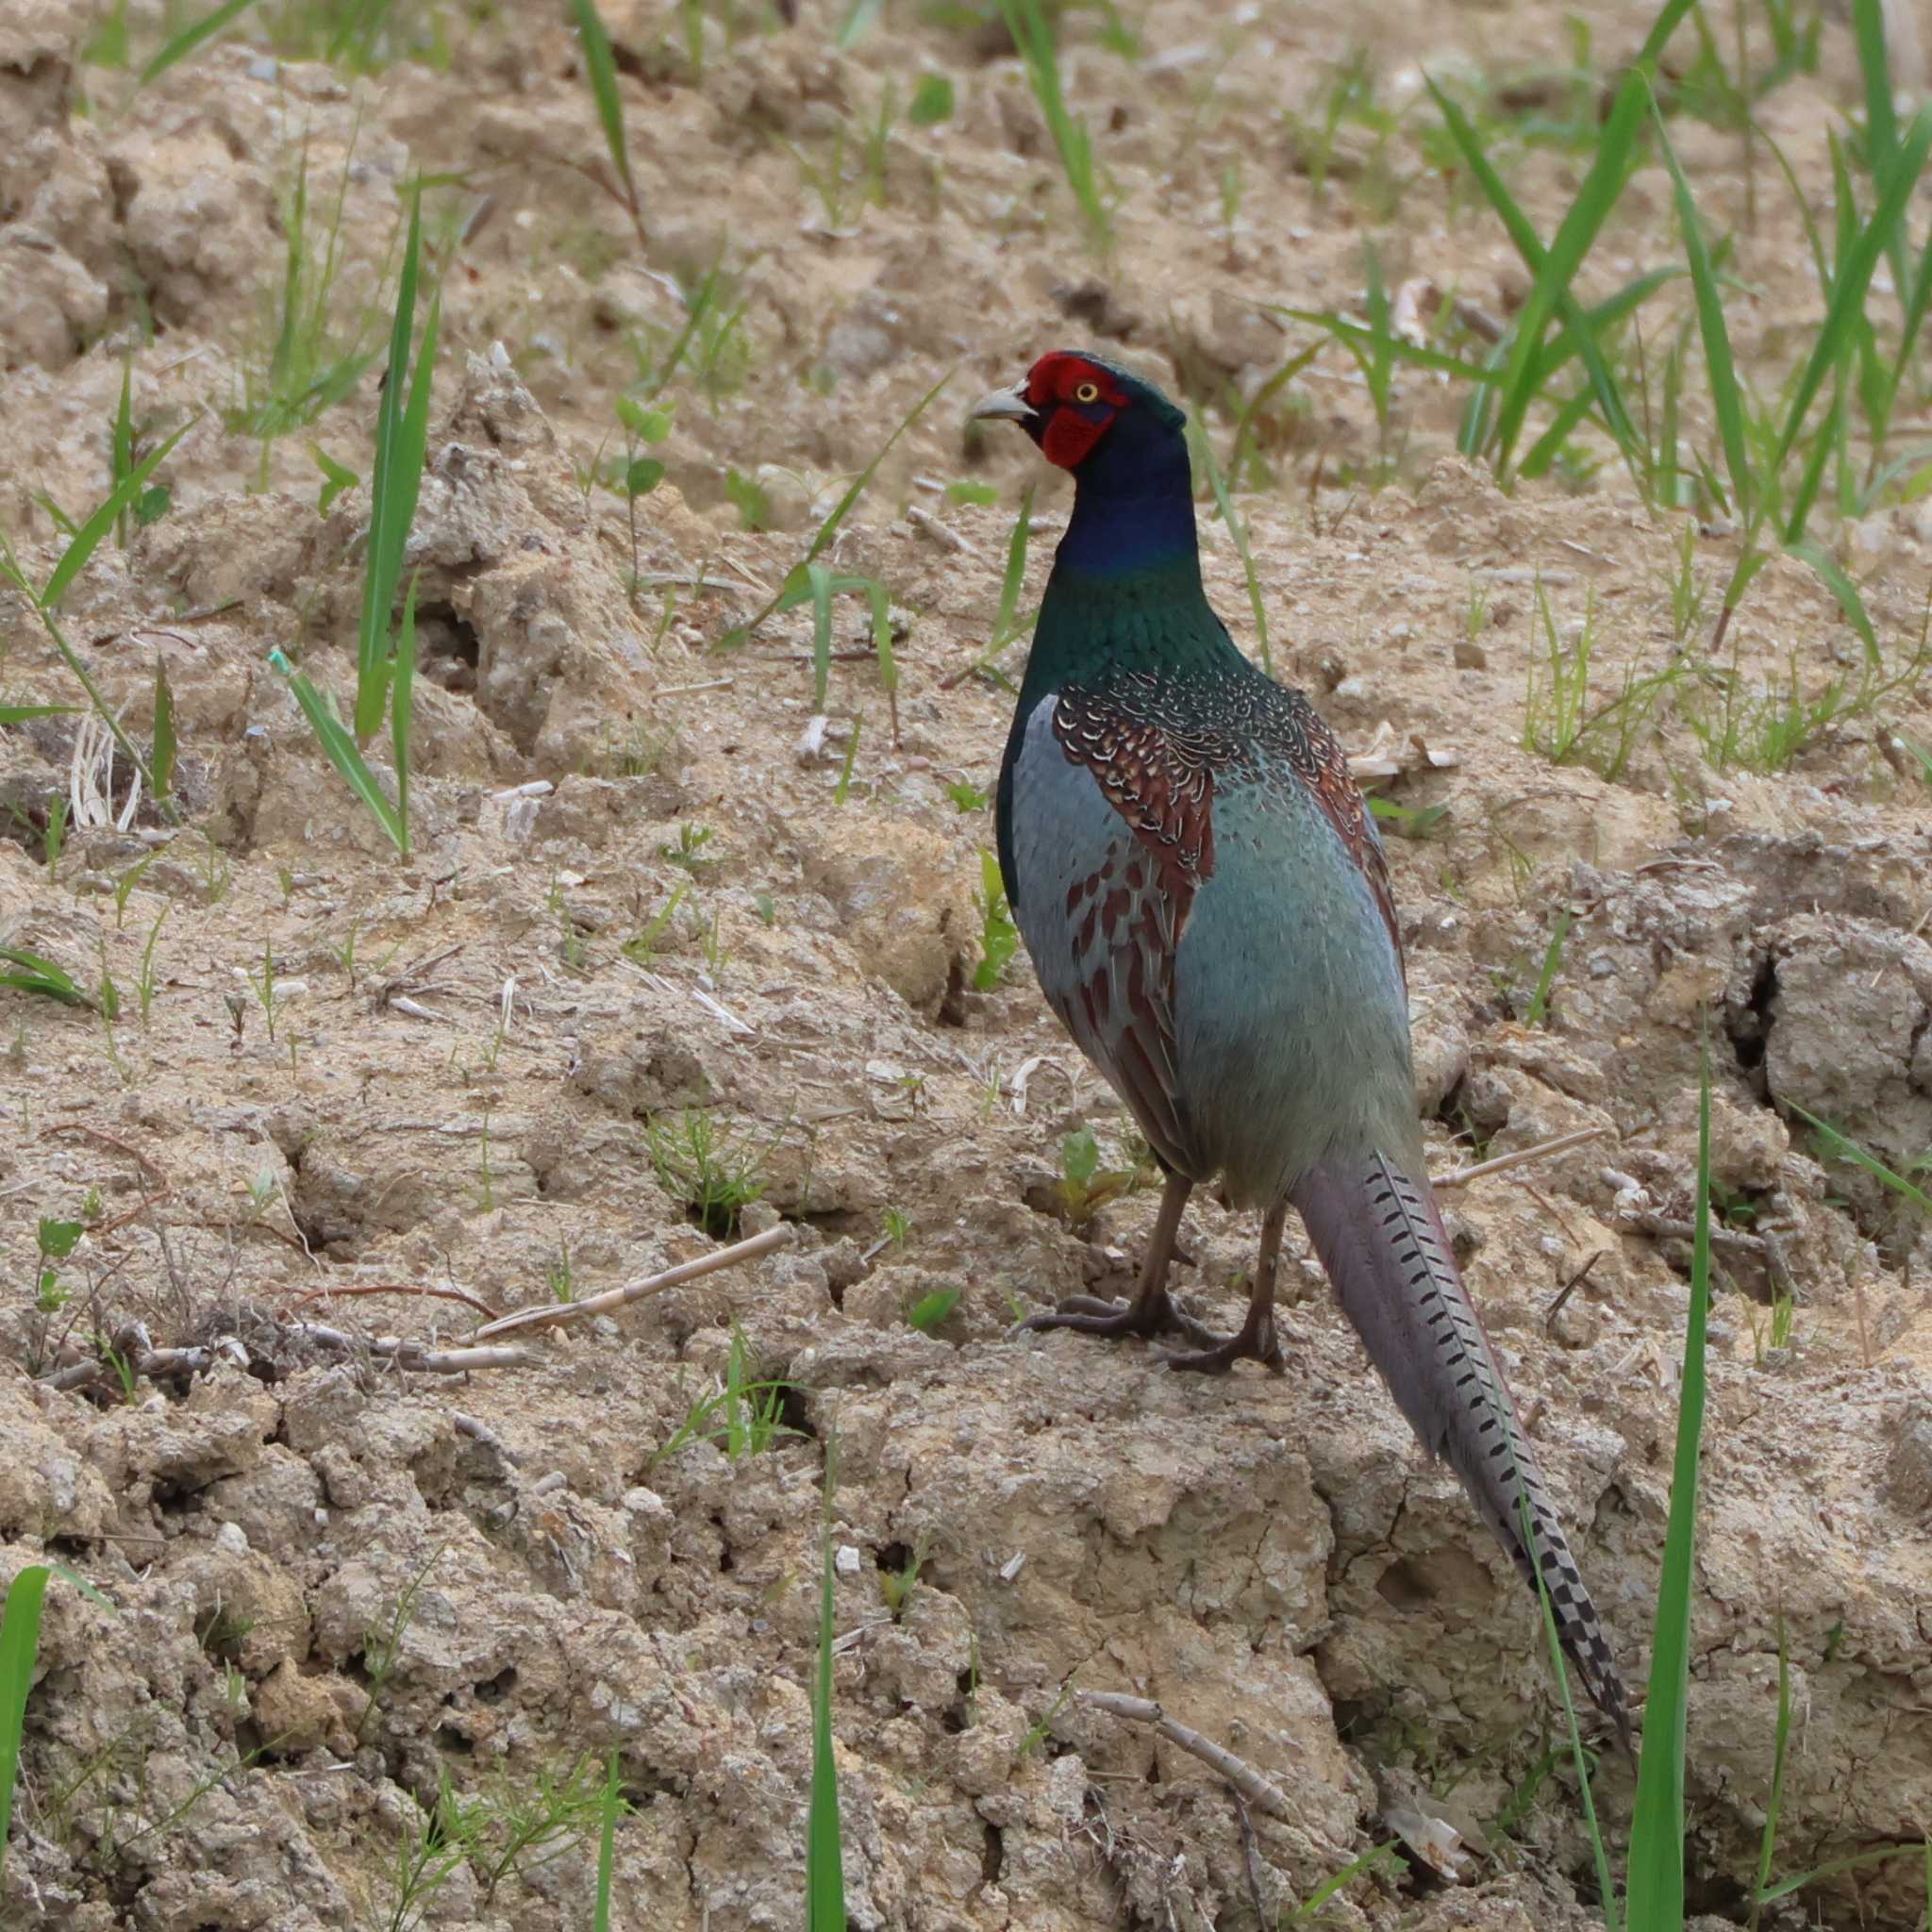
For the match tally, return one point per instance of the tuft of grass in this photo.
(716, 1175)
(315, 355)
(1026, 21)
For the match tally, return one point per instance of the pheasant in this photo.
(1208, 907)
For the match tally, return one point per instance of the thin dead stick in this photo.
(428, 1288)
(940, 533)
(153, 1167)
(1562, 1144)
(685, 691)
(1243, 1775)
(556, 1315)
(154, 1200)
(413, 1355)
(1247, 1824)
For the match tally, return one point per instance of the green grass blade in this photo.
(820, 580)
(1551, 286)
(161, 759)
(1015, 577)
(20, 1640)
(1831, 574)
(607, 1845)
(600, 65)
(1720, 368)
(1656, 1897)
(1224, 502)
(380, 572)
(1780, 1745)
(792, 591)
(829, 528)
(1854, 275)
(37, 974)
(19, 715)
(1368, 344)
(87, 540)
(124, 439)
(1856, 1862)
(825, 1869)
(191, 37)
(402, 700)
(1843, 1147)
(341, 749)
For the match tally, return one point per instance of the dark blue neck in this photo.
(1133, 507)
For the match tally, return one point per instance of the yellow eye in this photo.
(1087, 392)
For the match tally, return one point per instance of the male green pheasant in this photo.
(1208, 907)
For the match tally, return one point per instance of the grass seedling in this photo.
(800, 586)
(144, 977)
(1085, 1186)
(1841, 1147)
(928, 1313)
(44, 603)
(1033, 38)
(612, 1807)
(825, 1864)
(1008, 625)
(30, 972)
(54, 837)
(967, 796)
(382, 1646)
(600, 68)
(1385, 1858)
(845, 781)
(385, 673)
(999, 937)
(748, 1413)
(897, 1586)
(716, 1175)
(20, 1643)
(1204, 451)
(1553, 960)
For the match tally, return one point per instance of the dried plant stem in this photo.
(1258, 1789)
(556, 1315)
(1562, 1143)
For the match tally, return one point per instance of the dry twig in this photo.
(1562, 1143)
(1258, 1789)
(428, 1288)
(558, 1314)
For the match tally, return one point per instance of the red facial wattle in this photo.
(1069, 436)
(1079, 402)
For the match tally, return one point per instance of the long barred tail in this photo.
(1382, 1241)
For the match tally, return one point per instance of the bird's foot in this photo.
(1087, 1314)
(1255, 1341)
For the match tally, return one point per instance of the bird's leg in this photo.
(1152, 1311)
(1256, 1341)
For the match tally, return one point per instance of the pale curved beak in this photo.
(1003, 405)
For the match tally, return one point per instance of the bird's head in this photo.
(1075, 405)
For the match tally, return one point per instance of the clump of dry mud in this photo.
(366, 1095)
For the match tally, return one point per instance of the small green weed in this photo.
(928, 1313)
(716, 1175)
(999, 937)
